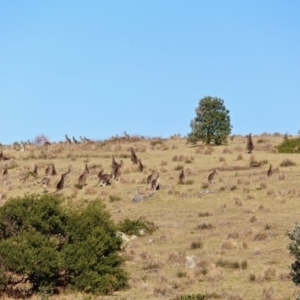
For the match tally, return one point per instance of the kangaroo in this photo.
(5, 171)
(118, 171)
(61, 183)
(35, 171)
(48, 170)
(53, 173)
(75, 141)
(181, 177)
(133, 158)
(105, 179)
(45, 182)
(155, 183)
(249, 145)
(114, 165)
(68, 141)
(140, 166)
(211, 176)
(87, 140)
(270, 171)
(82, 178)
(151, 177)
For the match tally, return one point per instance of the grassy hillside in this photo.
(233, 230)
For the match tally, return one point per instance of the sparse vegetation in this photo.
(289, 145)
(287, 163)
(136, 227)
(187, 214)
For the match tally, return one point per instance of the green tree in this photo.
(49, 246)
(212, 122)
(294, 248)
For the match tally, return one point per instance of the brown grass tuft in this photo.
(229, 245)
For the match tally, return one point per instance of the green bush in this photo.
(131, 227)
(197, 297)
(44, 243)
(289, 146)
(294, 248)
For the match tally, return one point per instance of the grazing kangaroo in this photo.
(118, 171)
(181, 177)
(249, 145)
(105, 179)
(45, 182)
(75, 141)
(68, 141)
(140, 166)
(211, 176)
(133, 158)
(155, 183)
(61, 183)
(82, 178)
(270, 171)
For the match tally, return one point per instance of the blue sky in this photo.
(99, 68)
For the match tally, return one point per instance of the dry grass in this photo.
(241, 217)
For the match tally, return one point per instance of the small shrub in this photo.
(189, 182)
(260, 236)
(269, 273)
(204, 214)
(135, 227)
(205, 226)
(157, 141)
(232, 264)
(226, 151)
(233, 187)
(239, 157)
(205, 186)
(178, 168)
(287, 163)
(252, 277)
(196, 245)
(181, 274)
(114, 198)
(229, 244)
(289, 145)
(78, 186)
(261, 141)
(197, 297)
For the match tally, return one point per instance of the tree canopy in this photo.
(212, 122)
(45, 246)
